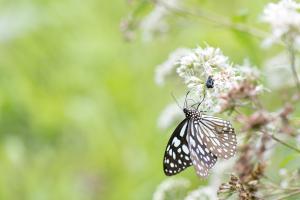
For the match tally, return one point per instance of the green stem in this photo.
(291, 51)
(285, 144)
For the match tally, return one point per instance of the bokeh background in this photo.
(79, 105)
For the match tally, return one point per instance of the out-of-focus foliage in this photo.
(78, 104)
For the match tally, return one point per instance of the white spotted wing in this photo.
(217, 135)
(177, 154)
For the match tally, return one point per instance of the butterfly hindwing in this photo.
(177, 154)
(218, 135)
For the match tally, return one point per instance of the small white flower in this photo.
(167, 67)
(212, 58)
(170, 186)
(193, 82)
(188, 66)
(284, 19)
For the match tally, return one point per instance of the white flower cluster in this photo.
(203, 63)
(284, 18)
(155, 23)
(195, 66)
(170, 186)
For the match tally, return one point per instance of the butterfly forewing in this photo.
(177, 154)
(218, 135)
(202, 158)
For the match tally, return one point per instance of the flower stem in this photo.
(285, 144)
(291, 51)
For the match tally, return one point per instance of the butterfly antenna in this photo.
(198, 104)
(185, 102)
(201, 100)
(176, 100)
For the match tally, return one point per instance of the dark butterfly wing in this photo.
(202, 158)
(218, 136)
(177, 154)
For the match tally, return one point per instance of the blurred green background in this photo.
(78, 104)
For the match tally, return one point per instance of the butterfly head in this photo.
(191, 113)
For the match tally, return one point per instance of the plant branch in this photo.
(291, 51)
(285, 144)
(289, 195)
(216, 19)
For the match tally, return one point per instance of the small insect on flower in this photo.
(209, 82)
(198, 140)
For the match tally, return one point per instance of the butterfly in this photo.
(199, 140)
